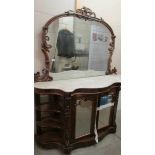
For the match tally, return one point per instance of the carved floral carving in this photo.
(86, 12)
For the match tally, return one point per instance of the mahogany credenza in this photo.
(59, 113)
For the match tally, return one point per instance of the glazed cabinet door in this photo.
(107, 107)
(83, 112)
(93, 114)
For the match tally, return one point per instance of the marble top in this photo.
(74, 74)
(73, 84)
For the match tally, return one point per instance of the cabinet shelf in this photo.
(49, 123)
(47, 108)
(49, 137)
(105, 106)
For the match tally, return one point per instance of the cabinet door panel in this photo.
(104, 116)
(83, 118)
(84, 114)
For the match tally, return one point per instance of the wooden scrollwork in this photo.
(86, 12)
(44, 77)
(111, 50)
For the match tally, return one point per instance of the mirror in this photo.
(104, 116)
(79, 48)
(76, 45)
(83, 118)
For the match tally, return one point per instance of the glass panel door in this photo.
(83, 118)
(104, 116)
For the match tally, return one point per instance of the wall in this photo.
(43, 11)
(110, 11)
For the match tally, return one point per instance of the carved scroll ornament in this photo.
(86, 12)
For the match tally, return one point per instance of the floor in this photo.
(110, 145)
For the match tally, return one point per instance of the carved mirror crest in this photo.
(75, 45)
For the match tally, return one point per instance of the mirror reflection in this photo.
(104, 116)
(83, 118)
(79, 48)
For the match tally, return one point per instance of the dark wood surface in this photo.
(56, 119)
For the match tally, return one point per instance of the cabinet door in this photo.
(104, 117)
(84, 112)
(107, 105)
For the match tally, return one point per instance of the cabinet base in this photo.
(79, 143)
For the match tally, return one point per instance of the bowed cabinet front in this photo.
(69, 120)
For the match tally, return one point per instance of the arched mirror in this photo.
(76, 45)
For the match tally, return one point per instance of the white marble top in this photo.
(74, 74)
(73, 84)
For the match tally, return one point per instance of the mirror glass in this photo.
(104, 116)
(83, 118)
(79, 48)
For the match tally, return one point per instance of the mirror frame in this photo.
(83, 13)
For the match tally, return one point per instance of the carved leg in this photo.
(67, 150)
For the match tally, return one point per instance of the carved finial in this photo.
(86, 12)
(101, 19)
(114, 70)
(42, 77)
(36, 76)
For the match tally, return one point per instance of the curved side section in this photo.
(66, 141)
